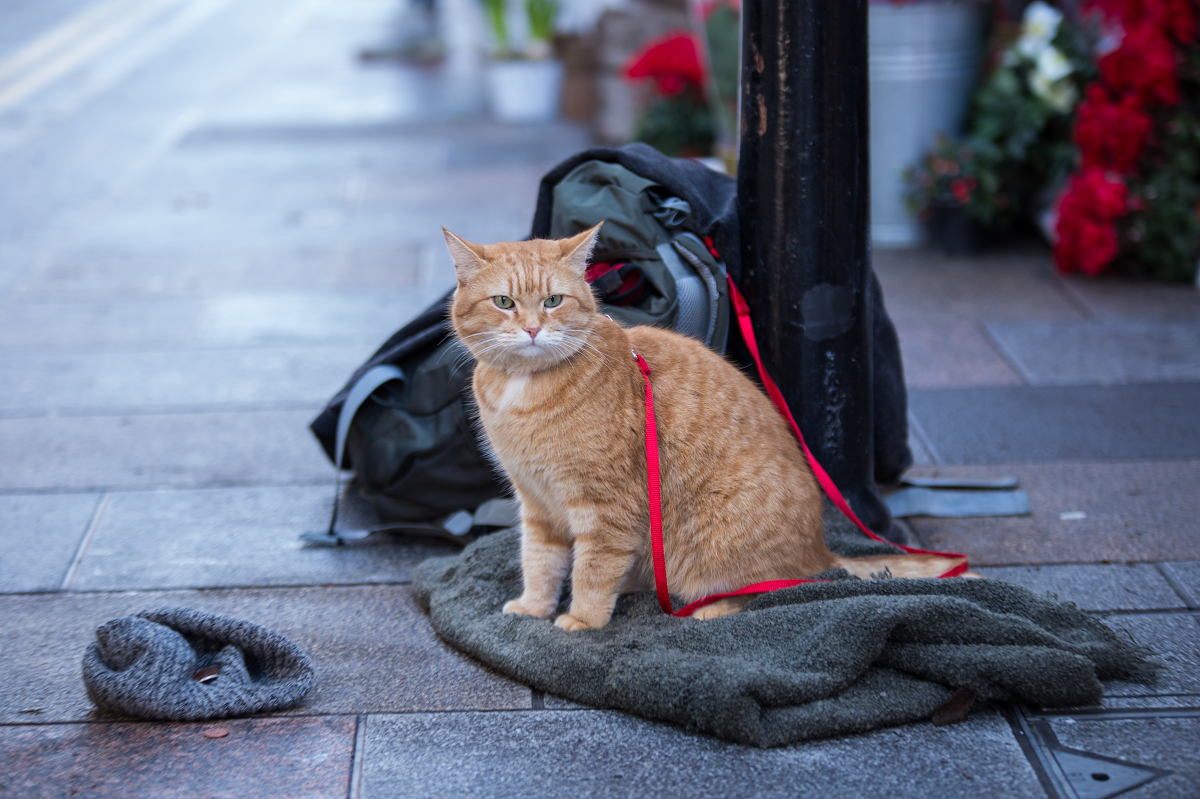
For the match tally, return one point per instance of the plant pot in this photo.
(525, 91)
(924, 58)
(953, 232)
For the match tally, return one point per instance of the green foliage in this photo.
(960, 174)
(1019, 128)
(1029, 138)
(542, 14)
(1163, 228)
(678, 125)
(496, 11)
(723, 34)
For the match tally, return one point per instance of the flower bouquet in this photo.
(1018, 126)
(677, 119)
(954, 190)
(1133, 203)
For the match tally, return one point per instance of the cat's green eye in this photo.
(553, 300)
(503, 302)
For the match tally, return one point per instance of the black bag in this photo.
(403, 421)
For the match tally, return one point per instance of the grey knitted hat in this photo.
(151, 665)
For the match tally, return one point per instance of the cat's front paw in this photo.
(722, 607)
(571, 624)
(525, 607)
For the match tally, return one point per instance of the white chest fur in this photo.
(513, 395)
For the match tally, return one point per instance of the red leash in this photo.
(831, 490)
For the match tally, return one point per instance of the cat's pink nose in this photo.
(532, 331)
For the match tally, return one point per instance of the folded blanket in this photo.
(807, 662)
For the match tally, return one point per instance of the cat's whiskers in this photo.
(464, 354)
(586, 346)
(503, 346)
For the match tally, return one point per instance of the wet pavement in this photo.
(211, 212)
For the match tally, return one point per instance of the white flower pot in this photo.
(525, 91)
(924, 58)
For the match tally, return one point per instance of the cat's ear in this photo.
(577, 250)
(467, 256)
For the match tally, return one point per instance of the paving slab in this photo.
(26, 328)
(319, 223)
(1070, 423)
(305, 222)
(1116, 297)
(1012, 283)
(213, 537)
(1091, 352)
(131, 270)
(1116, 704)
(477, 177)
(1169, 744)
(1093, 586)
(922, 456)
(1140, 511)
(364, 316)
(245, 153)
(246, 319)
(378, 161)
(165, 378)
(41, 534)
(1185, 577)
(608, 754)
(145, 450)
(1174, 641)
(372, 647)
(953, 354)
(308, 757)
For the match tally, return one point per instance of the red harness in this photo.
(831, 490)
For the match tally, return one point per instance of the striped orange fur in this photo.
(560, 398)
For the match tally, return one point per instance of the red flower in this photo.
(672, 61)
(1179, 20)
(1097, 242)
(1087, 237)
(1145, 64)
(1109, 134)
(1176, 18)
(960, 190)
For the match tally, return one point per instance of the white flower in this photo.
(1053, 65)
(1038, 29)
(1059, 94)
(1047, 80)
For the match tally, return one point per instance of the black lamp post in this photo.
(804, 209)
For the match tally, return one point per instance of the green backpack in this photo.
(649, 266)
(404, 421)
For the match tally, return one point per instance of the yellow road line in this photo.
(71, 44)
(59, 37)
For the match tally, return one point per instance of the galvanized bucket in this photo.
(924, 58)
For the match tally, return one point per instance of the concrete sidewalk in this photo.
(205, 229)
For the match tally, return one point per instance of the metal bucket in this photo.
(924, 58)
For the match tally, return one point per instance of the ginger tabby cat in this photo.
(561, 400)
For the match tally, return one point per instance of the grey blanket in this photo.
(807, 662)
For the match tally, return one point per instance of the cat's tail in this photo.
(901, 566)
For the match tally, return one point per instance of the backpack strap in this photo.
(456, 527)
(710, 283)
(372, 379)
(364, 387)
